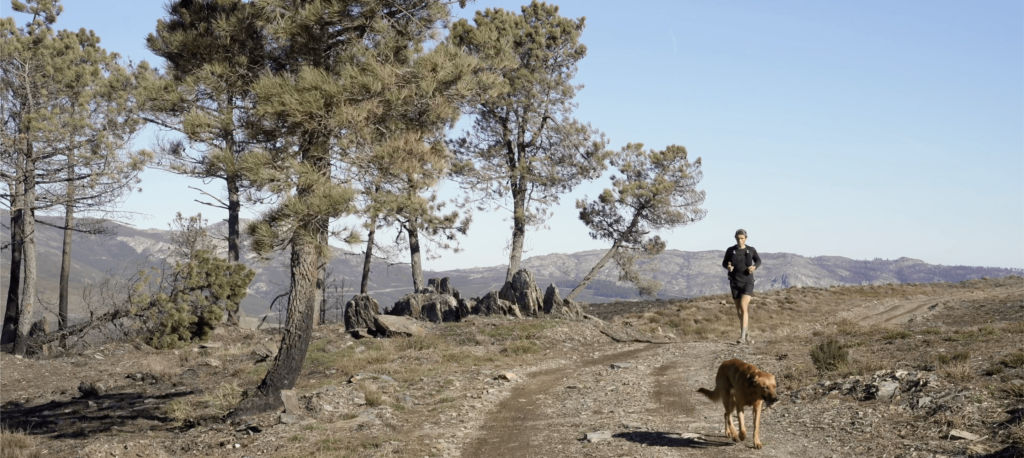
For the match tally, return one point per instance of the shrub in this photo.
(373, 395)
(829, 356)
(14, 444)
(958, 357)
(895, 335)
(1014, 360)
(522, 347)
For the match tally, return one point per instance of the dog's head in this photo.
(765, 383)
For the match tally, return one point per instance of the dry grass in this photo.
(162, 366)
(955, 358)
(830, 356)
(1014, 360)
(180, 409)
(1013, 391)
(221, 400)
(373, 395)
(959, 372)
(15, 444)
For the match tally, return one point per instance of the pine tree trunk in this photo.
(234, 208)
(414, 257)
(518, 229)
(298, 328)
(364, 283)
(10, 329)
(65, 264)
(29, 224)
(593, 272)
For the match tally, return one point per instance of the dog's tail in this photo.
(712, 395)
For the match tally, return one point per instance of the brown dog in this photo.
(739, 385)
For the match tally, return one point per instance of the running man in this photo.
(741, 260)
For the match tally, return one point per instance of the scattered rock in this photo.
(289, 419)
(362, 333)
(291, 402)
(957, 434)
(360, 312)
(522, 291)
(90, 390)
(265, 352)
(598, 436)
(397, 326)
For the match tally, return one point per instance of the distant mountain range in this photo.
(684, 274)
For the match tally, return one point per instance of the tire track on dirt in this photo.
(904, 309)
(507, 429)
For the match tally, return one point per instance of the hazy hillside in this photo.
(684, 274)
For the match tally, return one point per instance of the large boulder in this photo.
(522, 290)
(360, 312)
(397, 326)
(555, 307)
(428, 306)
(492, 305)
(440, 285)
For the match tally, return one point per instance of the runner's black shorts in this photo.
(741, 289)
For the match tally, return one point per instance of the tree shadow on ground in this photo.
(82, 417)
(663, 439)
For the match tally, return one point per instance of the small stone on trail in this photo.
(289, 419)
(957, 434)
(621, 366)
(598, 436)
(291, 403)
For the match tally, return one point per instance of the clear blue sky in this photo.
(865, 129)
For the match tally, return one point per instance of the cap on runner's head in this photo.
(740, 232)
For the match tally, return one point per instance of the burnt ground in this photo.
(931, 370)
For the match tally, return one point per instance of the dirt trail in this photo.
(650, 407)
(903, 310)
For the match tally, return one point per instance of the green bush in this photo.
(830, 356)
(194, 299)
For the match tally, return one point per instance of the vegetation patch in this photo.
(830, 356)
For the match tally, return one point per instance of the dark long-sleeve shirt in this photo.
(741, 259)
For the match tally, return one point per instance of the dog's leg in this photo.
(757, 424)
(730, 430)
(743, 426)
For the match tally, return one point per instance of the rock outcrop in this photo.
(522, 291)
(397, 326)
(429, 307)
(490, 304)
(556, 307)
(360, 312)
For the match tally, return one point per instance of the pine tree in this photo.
(61, 93)
(333, 62)
(525, 144)
(214, 52)
(655, 190)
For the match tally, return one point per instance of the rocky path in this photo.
(639, 400)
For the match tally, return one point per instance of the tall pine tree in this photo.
(214, 52)
(525, 146)
(333, 61)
